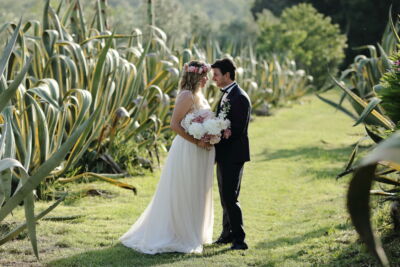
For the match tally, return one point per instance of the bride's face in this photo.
(203, 81)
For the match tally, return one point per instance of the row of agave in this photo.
(374, 96)
(268, 82)
(69, 89)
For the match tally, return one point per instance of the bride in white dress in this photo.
(180, 216)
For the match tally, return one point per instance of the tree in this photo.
(304, 35)
(275, 6)
(363, 21)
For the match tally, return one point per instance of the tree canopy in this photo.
(363, 21)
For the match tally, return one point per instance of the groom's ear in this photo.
(227, 75)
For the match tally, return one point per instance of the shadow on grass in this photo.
(120, 255)
(352, 254)
(287, 241)
(358, 254)
(322, 157)
(321, 173)
(308, 153)
(345, 256)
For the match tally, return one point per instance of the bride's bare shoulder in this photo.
(184, 96)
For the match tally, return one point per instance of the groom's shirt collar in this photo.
(229, 87)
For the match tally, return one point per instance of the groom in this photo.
(231, 153)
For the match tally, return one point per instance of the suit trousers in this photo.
(229, 177)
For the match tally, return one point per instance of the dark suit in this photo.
(231, 154)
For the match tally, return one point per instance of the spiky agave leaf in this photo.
(387, 151)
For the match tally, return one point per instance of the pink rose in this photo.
(206, 138)
(227, 133)
(199, 119)
(215, 139)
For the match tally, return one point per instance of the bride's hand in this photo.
(204, 145)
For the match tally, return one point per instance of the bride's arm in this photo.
(182, 106)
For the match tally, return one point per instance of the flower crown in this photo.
(202, 69)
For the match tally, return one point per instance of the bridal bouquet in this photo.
(204, 125)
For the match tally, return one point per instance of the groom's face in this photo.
(220, 79)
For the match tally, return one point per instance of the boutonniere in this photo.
(226, 106)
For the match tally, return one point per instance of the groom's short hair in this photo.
(225, 65)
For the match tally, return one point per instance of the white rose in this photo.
(226, 124)
(197, 130)
(212, 126)
(223, 124)
(185, 123)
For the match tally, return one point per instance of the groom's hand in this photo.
(204, 145)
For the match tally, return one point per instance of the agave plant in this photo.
(389, 89)
(54, 104)
(267, 82)
(387, 156)
(381, 164)
(27, 183)
(69, 90)
(7, 149)
(57, 109)
(80, 75)
(365, 73)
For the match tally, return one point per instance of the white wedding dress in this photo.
(180, 216)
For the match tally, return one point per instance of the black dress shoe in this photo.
(223, 240)
(239, 246)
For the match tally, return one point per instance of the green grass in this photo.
(294, 209)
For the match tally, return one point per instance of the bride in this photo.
(180, 218)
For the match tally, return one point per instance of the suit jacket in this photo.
(236, 148)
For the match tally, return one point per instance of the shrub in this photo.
(305, 35)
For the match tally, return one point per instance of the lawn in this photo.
(294, 208)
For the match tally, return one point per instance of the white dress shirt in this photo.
(229, 86)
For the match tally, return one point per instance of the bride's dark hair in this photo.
(192, 74)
